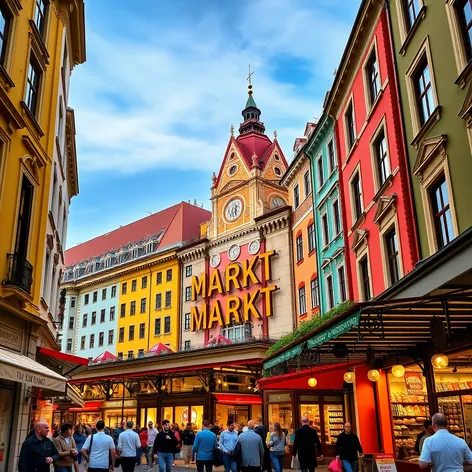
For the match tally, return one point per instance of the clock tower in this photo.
(247, 185)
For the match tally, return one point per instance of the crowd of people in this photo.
(238, 448)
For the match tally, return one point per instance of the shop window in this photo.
(158, 278)
(296, 197)
(158, 301)
(441, 212)
(132, 308)
(311, 410)
(134, 284)
(302, 301)
(112, 313)
(331, 156)
(280, 410)
(299, 243)
(334, 421)
(143, 305)
(311, 237)
(113, 291)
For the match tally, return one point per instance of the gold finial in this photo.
(232, 130)
(248, 78)
(275, 134)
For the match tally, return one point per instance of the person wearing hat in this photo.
(66, 448)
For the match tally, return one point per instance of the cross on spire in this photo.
(248, 78)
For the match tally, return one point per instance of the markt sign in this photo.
(233, 308)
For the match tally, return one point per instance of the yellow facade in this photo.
(148, 294)
(28, 123)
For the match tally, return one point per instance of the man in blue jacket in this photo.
(203, 447)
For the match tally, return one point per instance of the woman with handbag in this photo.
(277, 443)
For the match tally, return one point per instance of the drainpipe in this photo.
(415, 240)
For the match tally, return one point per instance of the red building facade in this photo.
(374, 180)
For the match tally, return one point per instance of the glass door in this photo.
(312, 412)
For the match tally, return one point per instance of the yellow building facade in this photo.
(149, 307)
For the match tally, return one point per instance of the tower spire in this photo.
(251, 113)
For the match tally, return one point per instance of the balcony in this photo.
(20, 273)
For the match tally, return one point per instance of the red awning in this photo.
(230, 399)
(71, 359)
(89, 406)
(159, 348)
(217, 340)
(104, 356)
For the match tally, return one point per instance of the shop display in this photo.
(334, 422)
(312, 412)
(452, 409)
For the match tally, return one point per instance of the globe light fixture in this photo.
(312, 382)
(225, 384)
(349, 377)
(440, 361)
(373, 375)
(398, 371)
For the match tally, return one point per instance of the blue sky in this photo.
(164, 81)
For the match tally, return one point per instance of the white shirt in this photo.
(446, 452)
(128, 442)
(152, 433)
(99, 456)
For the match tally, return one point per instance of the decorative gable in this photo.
(233, 168)
(386, 208)
(429, 148)
(360, 240)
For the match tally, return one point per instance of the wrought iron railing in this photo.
(20, 272)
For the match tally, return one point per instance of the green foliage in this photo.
(308, 327)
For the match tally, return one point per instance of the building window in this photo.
(188, 294)
(158, 301)
(113, 291)
(315, 295)
(143, 305)
(356, 193)
(235, 334)
(102, 316)
(330, 291)
(142, 330)
(441, 212)
(168, 299)
(94, 297)
(86, 299)
(325, 229)
(120, 355)
(133, 285)
(336, 217)
(131, 333)
(32, 86)
(381, 157)
(424, 91)
(144, 282)
(412, 9)
(112, 313)
(187, 321)
(365, 278)
(167, 324)
(311, 237)
(69, 345)
(373, 77)
(319, 166)
(464, 8)
(132, 308)
(84, 320)
(121, 337)
(40, 15)
(71, 322)
(123, 310)
(296, 196)
(169, 275)
(188, 271)
(299, 242)
(306, 183)
(101, 339)
(124, 288)
(157, 326)
(110, 336)
(72, 302)
(92, 341)
(342, 284)
(302, 301)
(130, 354)
(104, 294)
(350, 126)
(94, 317)
(158, 278)
(186, 345)
(331, 158)
(4, 31)
(82, 343)
(393, 262)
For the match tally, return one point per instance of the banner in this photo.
(414, 383)
(334, 331)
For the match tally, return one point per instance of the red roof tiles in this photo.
(180, 223)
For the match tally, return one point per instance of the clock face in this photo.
(215, 260)
(277, 202)
(254, 247)
(234, 209)
(233, 252)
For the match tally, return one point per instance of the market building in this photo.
(322, 149)
(298, 180)
(432, 50)
(373, 170)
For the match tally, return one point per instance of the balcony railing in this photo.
(20, 273)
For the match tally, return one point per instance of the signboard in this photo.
(285, 356)
(385, 462)
(414, 383)
(237, 309)
(334, 331)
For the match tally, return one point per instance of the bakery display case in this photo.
(452, 409)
